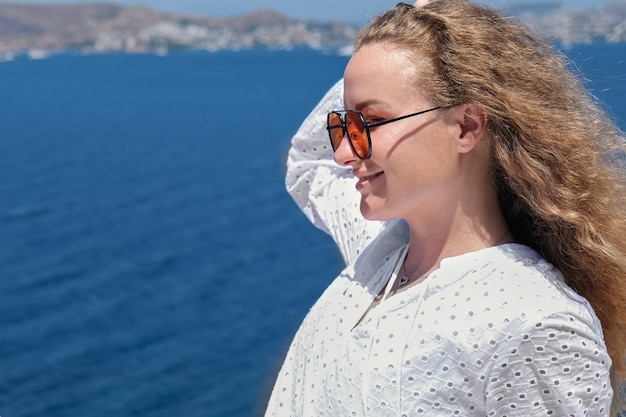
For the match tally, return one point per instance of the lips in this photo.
(367, 179)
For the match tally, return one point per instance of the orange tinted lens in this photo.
(357, 134)
(336, 132)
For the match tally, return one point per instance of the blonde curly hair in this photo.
(557, 159)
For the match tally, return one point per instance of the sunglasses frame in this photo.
(366, 127)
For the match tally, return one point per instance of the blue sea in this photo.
(151, 263)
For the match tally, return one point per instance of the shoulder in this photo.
(532, 284)
(513, 289)
(518, 273)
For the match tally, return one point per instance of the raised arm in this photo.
(323, 190)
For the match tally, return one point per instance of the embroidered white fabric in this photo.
(490, 333)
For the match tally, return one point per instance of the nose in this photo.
(344, 154)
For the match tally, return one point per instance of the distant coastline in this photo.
(40, 30)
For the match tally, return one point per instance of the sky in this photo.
(353, 11)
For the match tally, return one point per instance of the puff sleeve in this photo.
(324, 190)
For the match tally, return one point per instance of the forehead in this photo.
(382, 72)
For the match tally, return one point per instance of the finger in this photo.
(420, 3)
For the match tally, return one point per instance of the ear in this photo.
(473, 124)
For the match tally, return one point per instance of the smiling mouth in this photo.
(367, 180)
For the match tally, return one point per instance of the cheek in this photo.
(421, 160)
(387, 142)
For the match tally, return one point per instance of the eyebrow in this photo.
(368, 103)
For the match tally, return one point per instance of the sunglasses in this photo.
(340, 123)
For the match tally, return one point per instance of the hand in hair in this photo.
(420, 3)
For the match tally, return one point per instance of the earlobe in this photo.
(473, 126)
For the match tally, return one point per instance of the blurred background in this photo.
(152, 263)
(352, 11)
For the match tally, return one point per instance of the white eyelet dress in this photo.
(490, 333)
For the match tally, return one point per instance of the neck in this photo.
(451, 235)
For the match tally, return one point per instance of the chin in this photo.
(372, 213)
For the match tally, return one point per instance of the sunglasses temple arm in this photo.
(384, 122)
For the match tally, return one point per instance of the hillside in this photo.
(108, 27)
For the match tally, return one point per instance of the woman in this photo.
(485, 252)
